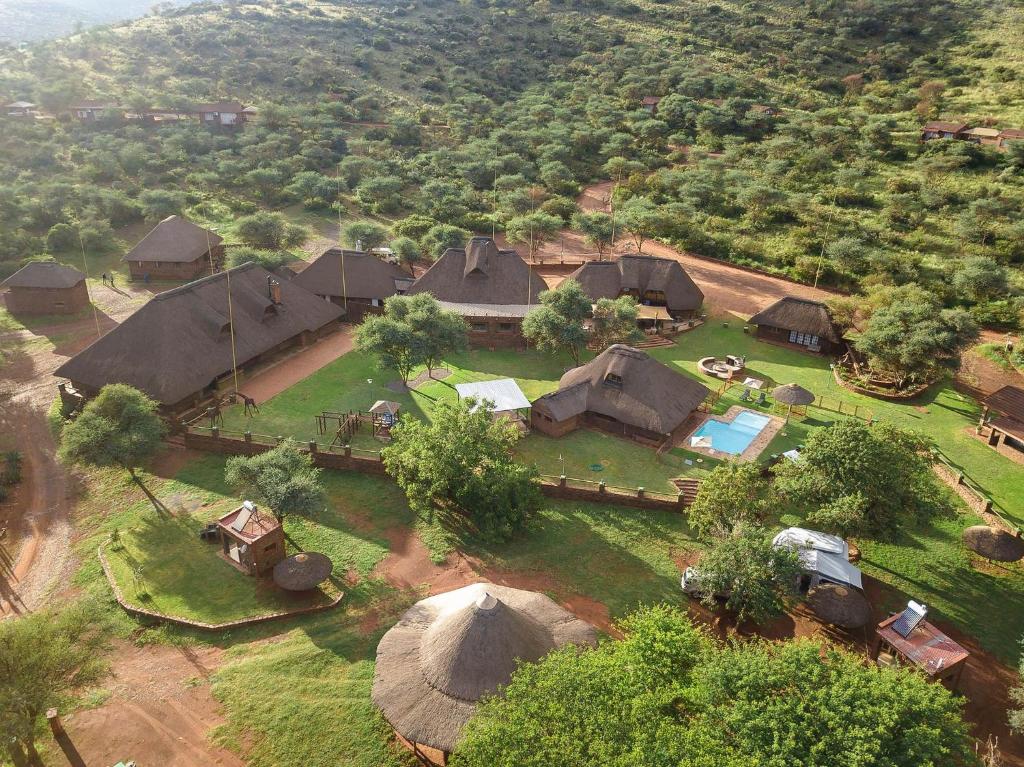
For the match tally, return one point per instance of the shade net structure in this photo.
(303, 571)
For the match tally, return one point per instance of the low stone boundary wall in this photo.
(141, 612)
(955, 479)
(893, 397)
(614, 496)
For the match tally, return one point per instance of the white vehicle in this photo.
(692, 586)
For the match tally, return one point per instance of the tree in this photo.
(364, 234)
(461, 465)
(664, 695)
(596, 228)
(268, 259)
(44, 657)
(158, 204)
(413, 331)
(441, 237)
(754, 576)
(643, 220)
(557, 324)
(269, 230)
(533, 229)
(283, 479)
(911, 340)
(415, 226)
(120, 427)
(615, 322)
(406, 250)
(855, 479)
(731, 495)
(980, 278)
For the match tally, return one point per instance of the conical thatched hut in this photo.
(303, 571)
(993, 544)
(793, 395)
(839, 605)
(450, 650)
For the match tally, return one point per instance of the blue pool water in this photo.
(734, 437)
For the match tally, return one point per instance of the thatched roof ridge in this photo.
(801, 315)
(993, 543)
(608, 279)
(175, 239)
(839, 605)
(480, 274)
(450, 650)
(44, 274)
(652, 395)
(366, 276)
(1009, 400)
(179, 342)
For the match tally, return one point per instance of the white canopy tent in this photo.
(504, 393)
(822, 555)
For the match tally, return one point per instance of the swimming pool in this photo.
(733, 437)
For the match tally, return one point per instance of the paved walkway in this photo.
(289, 371)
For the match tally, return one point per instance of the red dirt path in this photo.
(288, 372)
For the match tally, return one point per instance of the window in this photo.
(804, 339)
(478, 327)
(58, 305)
(613, 381)
(506, 327)
(374, 302)
(269, 547)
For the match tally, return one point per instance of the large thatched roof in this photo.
(793, 394)
(993, 543)
(480, 274)
(174, 239)
(801, 315)
(640, 273)
(366, 276)
(180, 341)
(44, 274)
(839, 605)
(450, 650)
(628, 385)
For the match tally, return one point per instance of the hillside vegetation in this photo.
(472, 115)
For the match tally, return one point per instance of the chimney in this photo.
(274, 290)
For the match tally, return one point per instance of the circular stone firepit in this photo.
(302, 572)
(724, 369)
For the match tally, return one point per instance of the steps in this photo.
(688, 489)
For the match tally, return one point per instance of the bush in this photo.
(364, 234)
(269, 230)
(268, 259)
(440, 238)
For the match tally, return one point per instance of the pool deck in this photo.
(752, 451)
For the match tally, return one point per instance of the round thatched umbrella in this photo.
(993, 544)
(450, 650)
(792, 395)
(301, 572)
(839, 605)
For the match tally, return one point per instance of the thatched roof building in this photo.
(176, 347)
(650, 280)
(993, 544)
(450, 650)
(493, 289)
(624, 391)
(175, 249)
(799, 323)
(46, 287)
(361, 287)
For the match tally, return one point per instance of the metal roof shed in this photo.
(503, 392)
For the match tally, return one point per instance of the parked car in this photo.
(692, 586)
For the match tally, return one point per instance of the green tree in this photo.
(365, 234)
(731, 495)
(558, 323)
(268, 259)
(596, 228)
(855, 479)
(119, 427)
(665, 696)
(441, 237)
(269, 230)
(158, 204)
(614, 322)
(415, 226)
(283, 479)
(45, 657)
(460, 465)
(755, 577)
(643, 220)
(533, 229)
(380, 194)
(980, 278)
(407, 251)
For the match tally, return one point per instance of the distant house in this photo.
(939, 129)
(1005, 431)
(651, 280)
(765, 110)
(650, 104)
(20, 109)
(175, 249)
(361, 288)
(799, 323)
(1008, 136)
(223, 114)
(983, 136)
(622, 391)
(46, 287)
(492, 289)
(90, 111)
(177, 348)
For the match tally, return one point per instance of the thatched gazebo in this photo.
(793, 395)
(450, 650)
(303, 571)
(839, 605)
(994, 544)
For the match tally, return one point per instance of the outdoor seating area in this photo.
(725, 369)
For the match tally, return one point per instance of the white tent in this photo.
(504, 393)
(822, 555)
